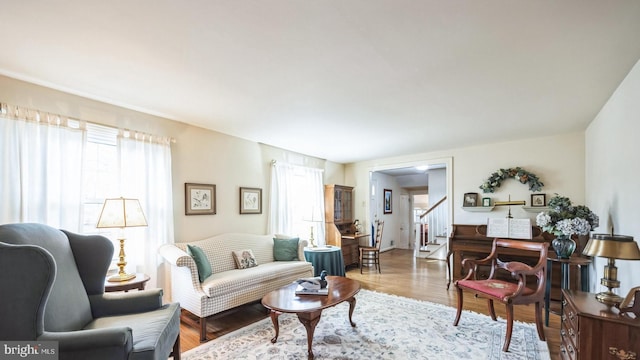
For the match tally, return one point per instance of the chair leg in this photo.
(361, 263)
(459, 311)
(539, 321)
(492, 310)
(507, 339)
(378, 262)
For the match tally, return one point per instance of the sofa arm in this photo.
(178, 257)
(125, 303)
(301, 245)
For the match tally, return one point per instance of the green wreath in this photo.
(517, 173)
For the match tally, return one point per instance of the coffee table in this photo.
(309, 308)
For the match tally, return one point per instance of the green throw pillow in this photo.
(204, 268)
(285, 249)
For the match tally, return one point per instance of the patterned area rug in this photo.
(388, 327)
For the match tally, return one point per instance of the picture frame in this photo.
(250, 200)
(387, 201)
(486, 202)
(470, 200)
(199, 199)
(538, 200)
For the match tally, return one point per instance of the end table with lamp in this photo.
(138, 282)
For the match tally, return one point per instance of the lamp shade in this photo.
(121, 213)
(612, 246)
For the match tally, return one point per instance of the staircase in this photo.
(432, 234)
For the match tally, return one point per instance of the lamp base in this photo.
(121, 277)
(609, 298)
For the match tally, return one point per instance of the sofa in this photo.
(229, 286)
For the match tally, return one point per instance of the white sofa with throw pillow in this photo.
(218, 283)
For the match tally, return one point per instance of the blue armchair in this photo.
(52, 285)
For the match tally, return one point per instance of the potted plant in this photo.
(563, 220)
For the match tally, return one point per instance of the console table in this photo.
(565, 271)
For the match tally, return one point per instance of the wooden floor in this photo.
(403, 275)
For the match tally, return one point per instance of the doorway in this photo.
(431, 178)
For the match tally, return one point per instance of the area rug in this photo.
(388, 327)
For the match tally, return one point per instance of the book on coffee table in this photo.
(300, 290)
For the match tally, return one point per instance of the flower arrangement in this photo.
(517, 173)
(565, 219)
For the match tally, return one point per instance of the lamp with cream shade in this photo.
(121, 213)
(611, 247)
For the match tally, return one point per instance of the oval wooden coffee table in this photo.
(308, 308)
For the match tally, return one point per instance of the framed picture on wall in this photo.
(470, 199)
(486, 201)
(538, 200)
(387, 201)
(199, 199)
(250, 200)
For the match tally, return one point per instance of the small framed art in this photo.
(538, 200)
(250, 200)
(470, 199)
(199, 199)
(387, 201)
(486, 202)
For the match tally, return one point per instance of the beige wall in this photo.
(199, 156)
(557, 160)
(613, 173)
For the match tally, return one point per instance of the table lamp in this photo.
(611, 247)
(121, 213)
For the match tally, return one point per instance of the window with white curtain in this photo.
(297, 201)
(58, 171)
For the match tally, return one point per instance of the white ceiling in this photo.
(344, 80)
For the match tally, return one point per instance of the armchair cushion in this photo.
(202, 263)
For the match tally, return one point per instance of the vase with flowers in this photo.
(564, 220)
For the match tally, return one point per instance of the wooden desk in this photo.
(138, 282)
(350, 245)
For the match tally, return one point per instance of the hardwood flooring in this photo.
(403, 275)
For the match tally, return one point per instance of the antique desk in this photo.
(592, 330)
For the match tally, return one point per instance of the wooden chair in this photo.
(371, 254)
(509, 293)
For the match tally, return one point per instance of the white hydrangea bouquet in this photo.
(565, 219)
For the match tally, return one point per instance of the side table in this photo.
(322, 258)
(565, 268)
(138, 282)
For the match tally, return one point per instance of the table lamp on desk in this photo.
(611, 247)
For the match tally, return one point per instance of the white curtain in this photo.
(297, 201)
(40, 176)
(145, 174)
(282, 193)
